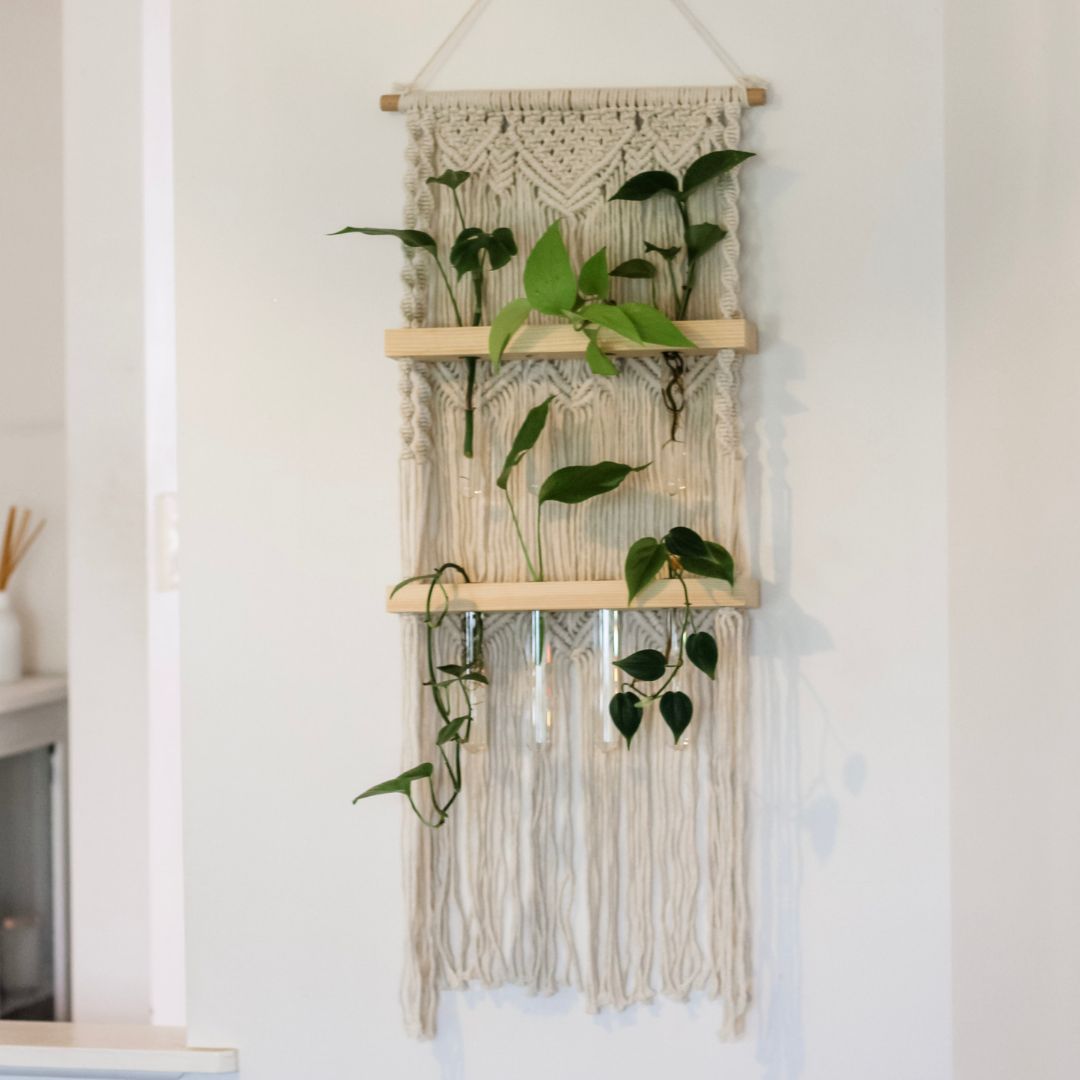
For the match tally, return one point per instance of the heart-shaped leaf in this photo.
(710, 166)
(576, 483)
(412, 238)
(668, 253)
(613, 318)
(599, 362)
(550, 283)
(593, 279)
(717, 564)
(677, 710)
(683, 541)
(635, 268)
(655, 327)
(702, 238)
(625, 714)
(525, 439)
(506, 325)
(645, 185)
(644, 561)
(701, 651)
(400, 785)
(451, 731)
(451, 178)
(646, 665)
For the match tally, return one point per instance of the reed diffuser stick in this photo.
(18, 540)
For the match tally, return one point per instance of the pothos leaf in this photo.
(644, 561)
(577, 483)
(717, 564)
(599, 362)
(625, 714)
(635, 268)
(525, 439)
(702, 652)
(711, 166)
(647, 665)
(593, 279)
(550, 283)
(647, 184)
(506, 325)
(702, 238)
(611, 317)
(655, 327)
(683, 541)
(677, 710)
(400, 785)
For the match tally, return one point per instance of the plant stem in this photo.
(449, 289)
(521, 536)
(470, 385)
(687, 610)
(691, 262)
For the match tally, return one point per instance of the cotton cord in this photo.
(620, 874)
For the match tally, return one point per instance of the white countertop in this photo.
(31, 691)
(26, 1044)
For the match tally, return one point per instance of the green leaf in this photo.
(550, 283)
(677, 710)
(506, 325)
(475, 676)
(635, 268)
(467, 253)
(711, 166)
(625, 714)
(593, 279)
(502, 247)
(644, 561)
(718, 564)
(683, 541)
(647, 665)
(645, 185)
(668, 253)
(655, 327)
(400, 785)
(449, 732)
(701, 651)
(613, 318)
(599, 362)
(451, 178)
(412, 238)
(576, 483)
(525, 439)
(452, 669)
(702, 238)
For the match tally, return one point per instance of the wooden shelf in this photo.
(561, 341)
(576, 596)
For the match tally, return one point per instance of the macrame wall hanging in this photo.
(569, 861)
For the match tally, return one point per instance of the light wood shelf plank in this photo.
(561, 341)
(576, 596)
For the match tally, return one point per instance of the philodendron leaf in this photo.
(717, 564)
(400, 785)
(451, 178)
(599, 362)
(451, 731)
(646, 665)
(655, 327)
(711, 166)
(701, 651)
(550, 283)
(593, 279)
(576, 483)
(635, 268)
(506, 325)
(412, 238)
(612, 317)
(677, 710)
(702, 238)
(502, 247)
(467, 254)
(644, 561)
(683, 541)
(525, 439)
(668, 253)
(625, 714)
(645, 185)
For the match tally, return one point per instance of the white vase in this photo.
(10, 641)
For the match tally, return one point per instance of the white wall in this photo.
(1013, 166)
(288, 441)
(32, 315)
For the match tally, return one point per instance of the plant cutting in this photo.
(452, 687)
(470, 251)
(680, 260)
(680, 552)
(582, 299)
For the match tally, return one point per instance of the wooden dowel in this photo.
(755, 95)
